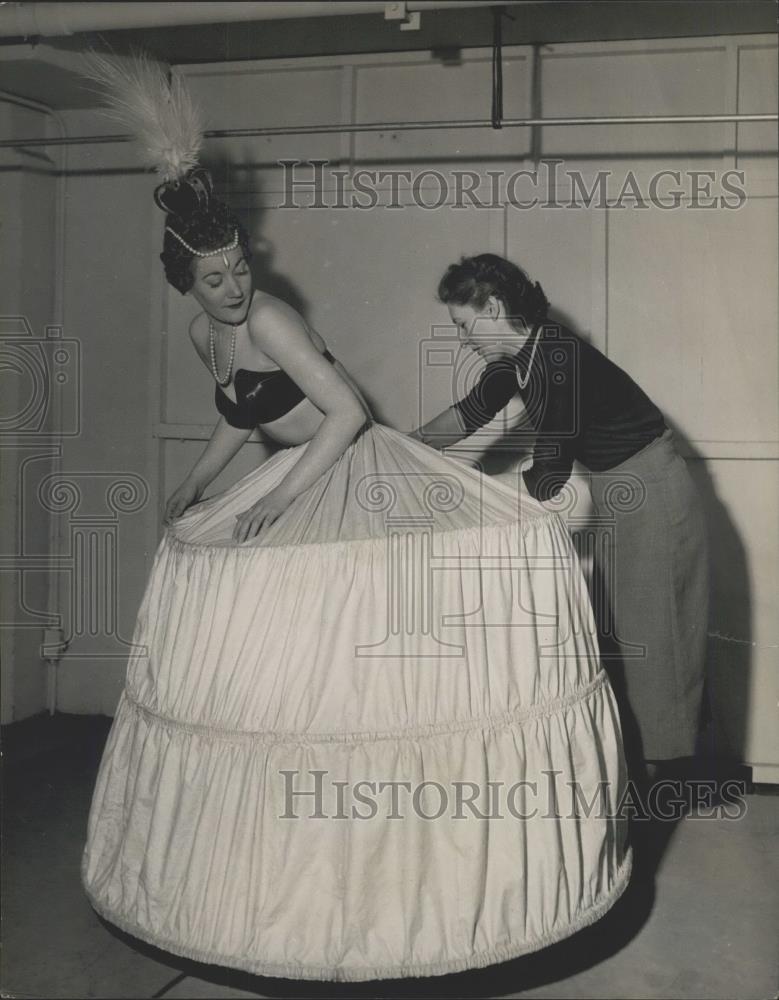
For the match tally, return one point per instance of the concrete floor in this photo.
(704, 927)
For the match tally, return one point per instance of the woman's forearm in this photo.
(442, 431)
(225, 443)
(331, 440)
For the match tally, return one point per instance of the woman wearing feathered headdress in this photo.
(271, 369)
(402, 628)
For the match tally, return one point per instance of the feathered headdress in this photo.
(162, 116)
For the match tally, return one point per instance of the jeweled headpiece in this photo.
(205, 253)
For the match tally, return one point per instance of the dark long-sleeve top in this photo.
(582, 406)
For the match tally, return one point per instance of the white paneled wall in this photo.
(684, 299)
(756, 143)
(702, 342)
(414, 89)
(637, 78)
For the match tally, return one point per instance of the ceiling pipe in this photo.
(47, 20)
(233, 133)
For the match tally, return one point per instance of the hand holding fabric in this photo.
(188, 493)
(261, 514)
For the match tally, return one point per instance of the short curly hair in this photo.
(474, 279)
(206, 229)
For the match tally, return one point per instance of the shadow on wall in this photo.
(725, 712)
(265, 277)
(729, 661)
(724, 722)
(275, 283)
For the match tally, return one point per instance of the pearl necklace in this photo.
(520, 382)
(226, 379)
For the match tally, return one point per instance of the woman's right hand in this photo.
(188, 493)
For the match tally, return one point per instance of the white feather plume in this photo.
(161, 115)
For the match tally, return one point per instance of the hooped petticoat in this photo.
(374, 741)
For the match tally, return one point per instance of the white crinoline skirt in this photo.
(374, 741)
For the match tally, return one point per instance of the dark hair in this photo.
(475, 279)
(205, 229)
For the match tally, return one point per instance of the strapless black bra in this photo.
(262, 396)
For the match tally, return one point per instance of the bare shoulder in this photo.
(269, 312)
(271, 319)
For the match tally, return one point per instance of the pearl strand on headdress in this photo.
(207, 253)
(226, 379)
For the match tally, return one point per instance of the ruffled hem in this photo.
(346, 974)
(202, 838)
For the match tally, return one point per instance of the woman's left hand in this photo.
(261, 514)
